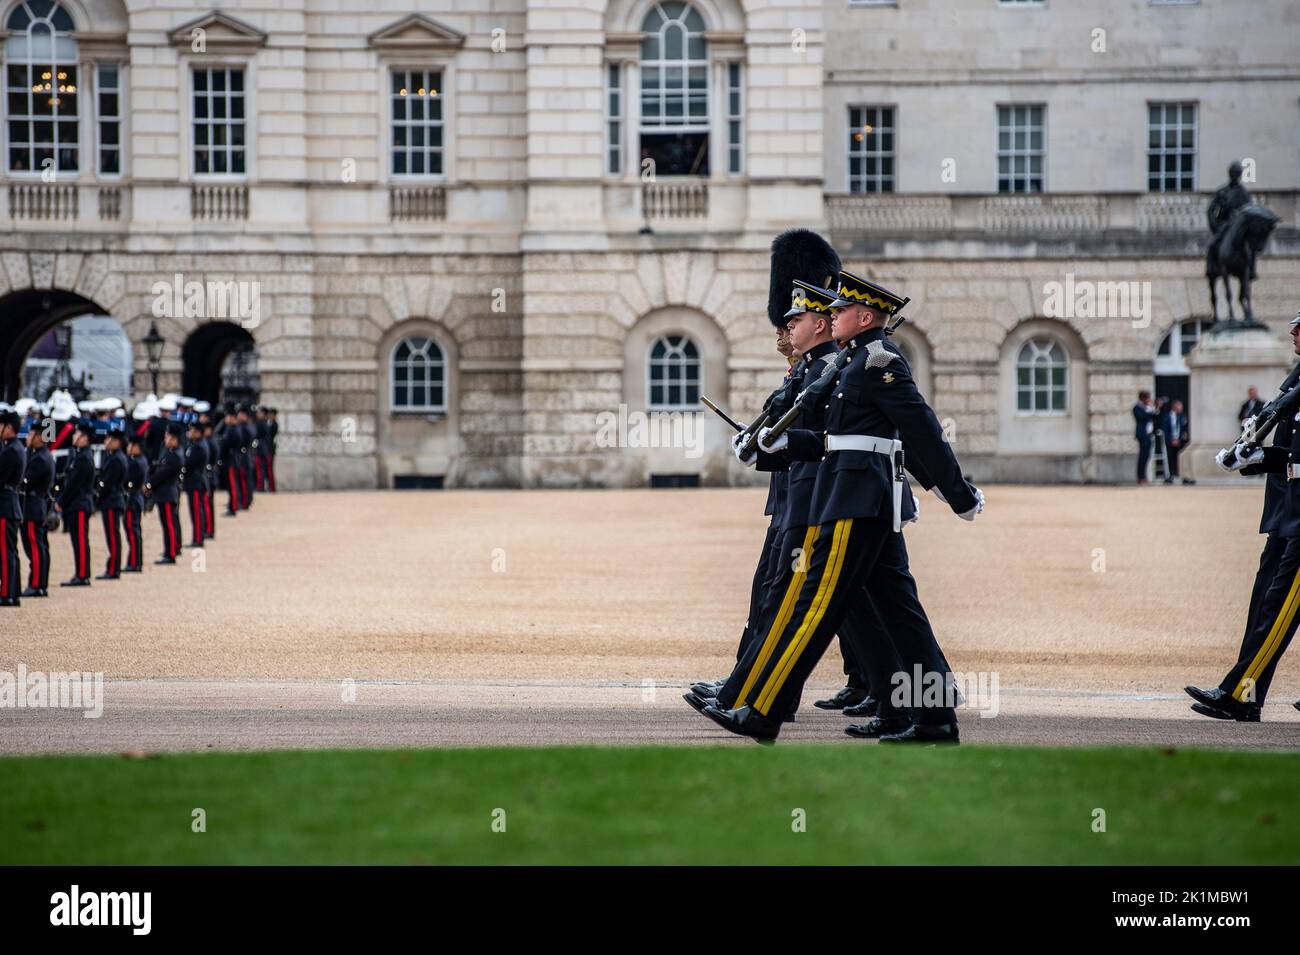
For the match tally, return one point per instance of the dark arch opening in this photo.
(203, 358)
(25, 316)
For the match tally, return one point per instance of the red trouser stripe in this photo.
(132, 558)
(111, 532)
(234, 489)
(35, 581)
(167, 529)
(270, 473)
(210, 520)
(83, 547)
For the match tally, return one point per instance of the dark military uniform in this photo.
(247, 457)
(261, 461)
(36, 503)
(77, 503)
(162, 485)
(213, 472)
(230, 456)
(13, 465)
(137, 473)
(110, 499)
(195, 479)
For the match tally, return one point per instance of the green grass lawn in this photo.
(727, 805)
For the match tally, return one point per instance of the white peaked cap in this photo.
(25, 405)
(202, 406)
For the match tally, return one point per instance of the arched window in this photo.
(675, 90)
(419, 374)
(673, 374)
(1042, 370)
(41, 87)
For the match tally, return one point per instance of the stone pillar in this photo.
(1225, 363)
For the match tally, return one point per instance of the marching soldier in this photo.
(36, 512)
(860, 501)
(137, 473)
(110, 499)
(76, 502)
(195, 480)
(1271, 620)
(272, 432)
(162, 487)
(247, 457)
(13, 465)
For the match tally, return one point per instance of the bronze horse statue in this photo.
(1232, 255)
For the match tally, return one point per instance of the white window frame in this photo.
(706, 126)
(676, 355)
(442, 361)
(734, 118)
(892, 154)
(249, 121)
(1036, 344)
(120, 119)
(616, 84)
(1179, 150)
(1175, 362)
(20, 174)
(1013, 152)
(443, 124)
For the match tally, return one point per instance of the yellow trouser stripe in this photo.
(825, 589)
(1280, 626)
(782, 618)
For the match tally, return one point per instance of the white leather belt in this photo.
(891, 448)
(859, 442)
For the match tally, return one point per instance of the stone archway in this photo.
(204, 358)
(26, 315)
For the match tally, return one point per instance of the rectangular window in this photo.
(871, 149)
(219, 121)
(108, 106)
(1021, 149)
(614, 119)
(41, 115)
(735, 117)
(416, 146)
(1171, 147)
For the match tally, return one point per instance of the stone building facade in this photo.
(519, 208)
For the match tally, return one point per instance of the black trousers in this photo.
(11, 571)
(1271, 621)
(112, 519)
(198, 515)
(1171, 455)
(1144, 455)
(133, 531)
(232, 485)
(845, 555)
(36, 544)
(169, 516)
(79, 531)
(758, 589)
(209, 512)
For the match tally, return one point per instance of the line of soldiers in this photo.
(834, 560)
(61, 464)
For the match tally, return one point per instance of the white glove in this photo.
(737, 445)
(977, 509)
(777, 443)
(916, 510)
(1230, 459)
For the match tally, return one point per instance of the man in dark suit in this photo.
(110, 499)
(1144, 422)
(858, 506)
(13, 465)
(77, 502)
(1252, 406)
(36, 504)
(1173, 425)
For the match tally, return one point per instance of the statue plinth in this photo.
(1229, 359)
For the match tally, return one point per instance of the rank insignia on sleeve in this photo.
(887, 377)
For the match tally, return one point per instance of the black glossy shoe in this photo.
(874, 729)
(33, 592)
(107, 576)
(9, 602)
(869, 707)
(745, 721)
(929, 735)
(1218, 705)
(697, 702)
(133, 570)
(847, 696)
(194, 544)
(165, 560)
(708, 690)
(76, 582)
(1296, 704)
(231, 514)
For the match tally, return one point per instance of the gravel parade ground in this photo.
(467, 618)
